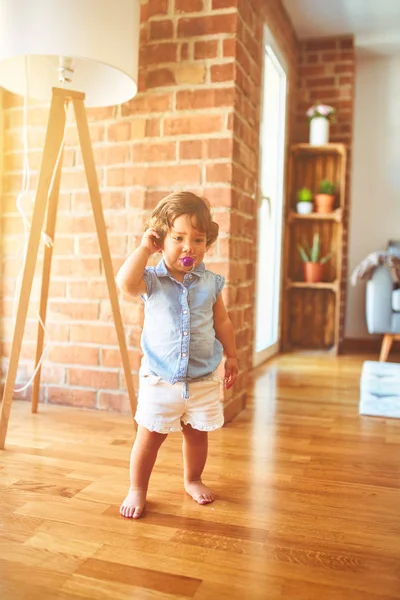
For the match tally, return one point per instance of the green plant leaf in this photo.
(326, 187)
(315, 248)
(326, 258)
(304, 195)
(303, 253)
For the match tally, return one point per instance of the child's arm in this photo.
(225, 334)
(130, 276)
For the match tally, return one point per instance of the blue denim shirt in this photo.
(178, 338)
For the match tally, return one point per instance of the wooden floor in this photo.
(308, 501)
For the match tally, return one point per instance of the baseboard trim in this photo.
(371, 345)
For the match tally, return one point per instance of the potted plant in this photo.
(325, 197)
(319, 117)
(304, 201)
(313, 265)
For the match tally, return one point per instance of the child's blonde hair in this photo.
(183, 203)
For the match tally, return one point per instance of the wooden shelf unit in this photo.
(312, 311)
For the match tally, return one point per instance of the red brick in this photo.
(113, 200)
(347, 43)
(204, 98)
(88, 289)
(220, 197)
(160, 53)
(229, 47)
(119, 132)
(70, 396)
(108, 155)
(93, 334)
(344, 68)
(213, 148)
(90, 245)
(321, 44)
(74, 354)
(53, 374)
(160, 78)
(157, 7)
(209, 25)
(188, 6)
(191, 149)
(156, 176)
(346, 56)
(346, 80)
(206, 49)
(324, 95)
(161, 30)
(147, 103)
(221, 172)
(313, 70)
(217, 4)
(154, 152)
(67, 267)
(320, 82)
(223, 72)
(98, 379)
(112, 358)
(193, 125)
(81, 311)
(63, 245)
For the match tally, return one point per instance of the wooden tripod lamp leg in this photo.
(386, 346)
(54, 136)
(48, 255)
(90, 169)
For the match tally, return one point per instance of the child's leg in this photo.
(143, 457)
(195, 447)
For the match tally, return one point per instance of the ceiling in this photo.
(375, 24)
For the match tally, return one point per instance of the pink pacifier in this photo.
(187, 261)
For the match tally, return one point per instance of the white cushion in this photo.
(380, 389)
(396, 300)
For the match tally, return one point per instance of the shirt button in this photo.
(185, 312)
(184, 291)
(190, 276)
(184, 354)
(185, 333)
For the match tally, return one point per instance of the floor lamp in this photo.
(38, 39)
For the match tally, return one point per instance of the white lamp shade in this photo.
(100, 36)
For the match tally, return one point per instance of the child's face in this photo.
(183, 239)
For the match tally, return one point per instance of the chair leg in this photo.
(386, 345)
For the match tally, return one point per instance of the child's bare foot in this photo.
(133, 505)
(199, 492)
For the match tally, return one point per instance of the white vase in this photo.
(304, 208)
(319, 131)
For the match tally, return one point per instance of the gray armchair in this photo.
(383, 307)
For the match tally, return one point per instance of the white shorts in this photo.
(161, 407)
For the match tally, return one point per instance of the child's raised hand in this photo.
(231, 372)
(150, 241)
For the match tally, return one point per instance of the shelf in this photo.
(326, 148)
(336, 215)
(313, 313)
(322, 285)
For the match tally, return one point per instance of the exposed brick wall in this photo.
(193, 125)
(326, 75)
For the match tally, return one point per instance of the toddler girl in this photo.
(186, 331)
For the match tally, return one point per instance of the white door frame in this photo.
(269, 40)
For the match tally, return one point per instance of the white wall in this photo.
(375, 178)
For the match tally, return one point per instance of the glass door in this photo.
(270, 203)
